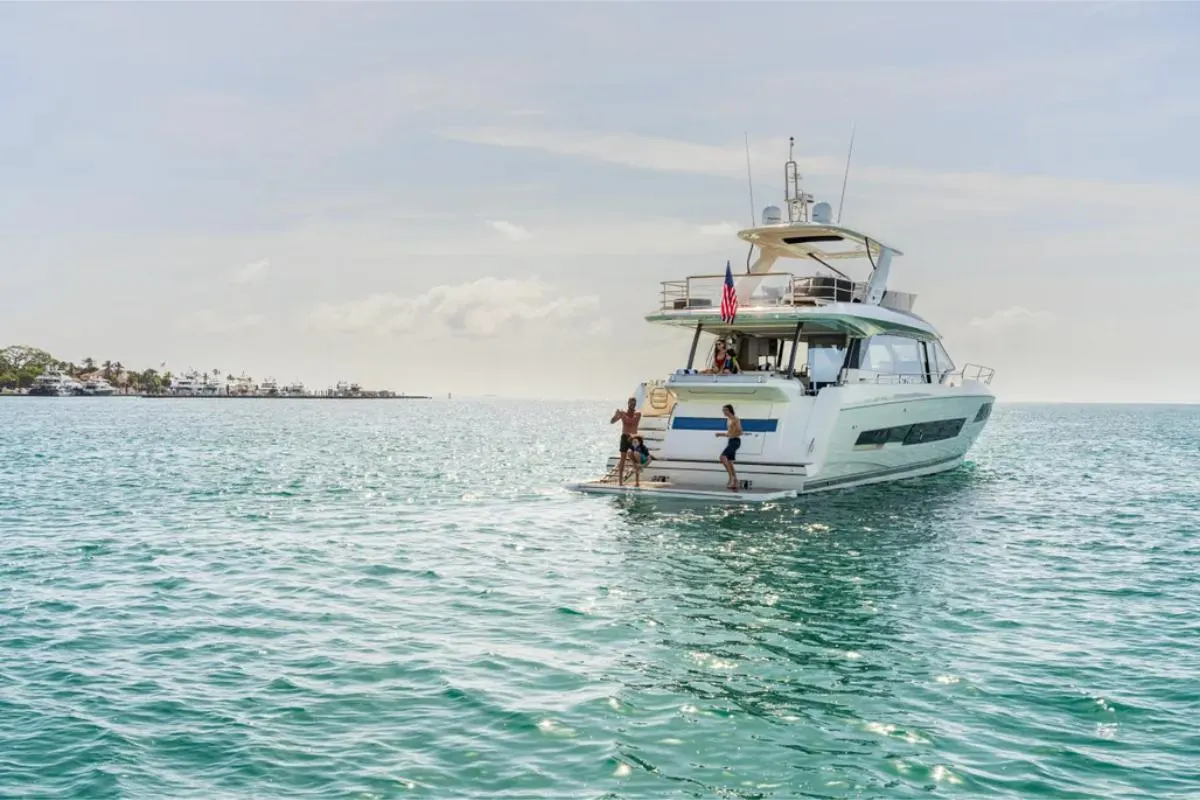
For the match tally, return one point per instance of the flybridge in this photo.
(812, 288)
(811, 233)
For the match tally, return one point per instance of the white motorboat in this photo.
(98, 387)
(837, 382)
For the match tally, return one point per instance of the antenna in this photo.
(846, 176)
(797, 201)
(749, 179)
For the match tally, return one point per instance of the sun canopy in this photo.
(807, 239)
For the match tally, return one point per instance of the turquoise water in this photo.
(389, 599)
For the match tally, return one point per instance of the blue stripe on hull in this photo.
(719, 424)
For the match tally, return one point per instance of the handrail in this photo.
(969, 372)
(772, 289)
(976, 372)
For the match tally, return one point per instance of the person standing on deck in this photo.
(733, 432)
(630, 418)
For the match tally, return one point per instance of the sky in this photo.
(483, 198)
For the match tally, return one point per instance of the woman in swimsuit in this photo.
(733, 432)
(724, 362)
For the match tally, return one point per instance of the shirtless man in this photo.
(733, 432)
(630, 418)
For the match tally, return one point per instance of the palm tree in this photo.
(107, 367)
(89, 363)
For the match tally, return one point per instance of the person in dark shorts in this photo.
(733, 432)
(630, 418)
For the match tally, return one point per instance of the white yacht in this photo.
(836, 381)
(209, 386)
(240, 386)
(187, 385)
(269, 388)
(98, 387)
(54, 383)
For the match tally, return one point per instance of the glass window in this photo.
(894, 354)
(940, 362)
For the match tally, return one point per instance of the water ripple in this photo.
(213, 599)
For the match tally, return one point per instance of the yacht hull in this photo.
(863, 437)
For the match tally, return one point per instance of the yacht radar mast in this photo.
(797, 201)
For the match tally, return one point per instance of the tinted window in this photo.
(875, 437)
(934, 431)
(917, 433)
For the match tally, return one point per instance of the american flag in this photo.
(728, 298)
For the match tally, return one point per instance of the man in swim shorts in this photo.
(630, 418)
(733, 432)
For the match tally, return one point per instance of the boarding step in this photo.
(680, 468)
(682, 491)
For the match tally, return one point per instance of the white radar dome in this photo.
(822, 213)
(772, 215)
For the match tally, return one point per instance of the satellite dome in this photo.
(822, 213)
(772, 215)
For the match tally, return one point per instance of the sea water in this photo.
(220, 599)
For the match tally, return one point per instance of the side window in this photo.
(878, 357)
(894, 354)
(941, 360)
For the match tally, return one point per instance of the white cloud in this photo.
(209, 321)
(633, 150)
(329, 115)
(254, 271)
(481, 308)
(509, 230)
(972, 192)
(1016, 316)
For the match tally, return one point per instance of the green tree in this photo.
(20, 364)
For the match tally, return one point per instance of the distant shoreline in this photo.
(235, 396)
(278, 397)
